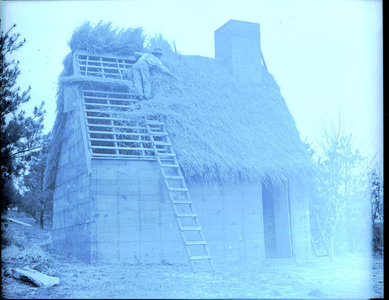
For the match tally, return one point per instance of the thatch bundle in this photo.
(221, 130)
(104, 38)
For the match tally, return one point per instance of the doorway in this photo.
(276, 219)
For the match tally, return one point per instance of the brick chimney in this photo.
(239, 44)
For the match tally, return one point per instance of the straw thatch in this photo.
(104, 38)
(220, 129)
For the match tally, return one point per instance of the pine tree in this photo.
(37, 201)
(21, 135)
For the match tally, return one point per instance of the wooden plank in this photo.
(111, 105)
(125, 158)
(182, 202)
(122, 156)
(35, 277)
(101, 67)
(193, 243)
(107, 92)
(120, 140)
(113, 132)
(17, 222)
(84, 134)
(170, 166)
(104, 111)
(118, 127)
(191, 228)
(174, 177)
(160, 133)
(116, 130)
(121, 148)
(187, 215)
(157, 143)
(106, 55)
(105, 118)
(179, 189)
(109, 61)
(200, 257)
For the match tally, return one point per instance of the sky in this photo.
(325, 55)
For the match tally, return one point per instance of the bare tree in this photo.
(342, 185)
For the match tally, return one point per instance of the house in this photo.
(236, 142)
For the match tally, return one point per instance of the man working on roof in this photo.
(141, 72)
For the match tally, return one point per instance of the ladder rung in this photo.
(158, 133)
(182, 202)
(154, 122)
(178, 189)
(187, 215)
(190, 228)
(170, 166)
(166, 161)
(174, 177)
(192, 243)
(200, 257)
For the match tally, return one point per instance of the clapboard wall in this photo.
(132, 219)
(72, 201)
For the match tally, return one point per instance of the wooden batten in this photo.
(84, 134)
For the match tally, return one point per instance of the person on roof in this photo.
(141, 72)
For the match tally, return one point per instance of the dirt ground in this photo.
(351, 276)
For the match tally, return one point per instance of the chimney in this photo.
(239, 44)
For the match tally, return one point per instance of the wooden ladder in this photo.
(190, 230)
(318, 239)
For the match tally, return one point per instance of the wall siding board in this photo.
(106, 202)
(106, 218)
(167, 217)
(170, 233)
(128, 202)
(108, 234)
(129, 234)
(108, 252)
(129, 218)
(150, 234)
(128, 251)
(172, 248)
(148, 203)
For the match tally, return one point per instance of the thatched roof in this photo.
(219, 128)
